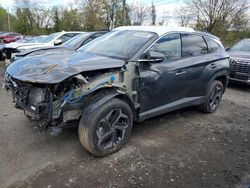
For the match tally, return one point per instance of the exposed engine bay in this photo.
(61, 103)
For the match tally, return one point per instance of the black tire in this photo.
(2, 57)
(213, 98)
(106, 129)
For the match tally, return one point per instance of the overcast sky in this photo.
(162, 6)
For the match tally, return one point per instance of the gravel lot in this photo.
(184, 148)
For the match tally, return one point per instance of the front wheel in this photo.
(213, 98)
(106, 129)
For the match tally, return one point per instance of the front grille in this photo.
(242, 66)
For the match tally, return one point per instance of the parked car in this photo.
(25, 40)
(54, 39)
(71, 45)
(240, 61)
(129, 74)
(9, 37)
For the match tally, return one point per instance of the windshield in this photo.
(37, 39)
(243, 45)
(122, 44)
(47, 38)
(75, 40)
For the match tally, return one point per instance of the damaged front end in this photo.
(57, 105)
(42, 102)
(55, 92)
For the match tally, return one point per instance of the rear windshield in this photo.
(243, 45)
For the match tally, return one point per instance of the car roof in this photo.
(160, 30)
(207, 34)
(72, 32)
(246, 39)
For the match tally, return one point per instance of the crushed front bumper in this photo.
(38, 103)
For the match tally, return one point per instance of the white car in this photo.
(54, 39)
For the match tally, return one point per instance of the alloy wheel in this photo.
(111, 129)
(215, 97)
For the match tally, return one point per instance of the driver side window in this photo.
(169, 45)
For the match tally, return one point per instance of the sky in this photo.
(162, 6)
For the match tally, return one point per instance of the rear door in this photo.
(195, 60)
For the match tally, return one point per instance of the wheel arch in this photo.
(103, 95)
(221, 76)
(224, 80)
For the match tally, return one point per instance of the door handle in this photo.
(180, 73)
(213, 65)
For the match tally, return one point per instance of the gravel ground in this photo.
(184, 148)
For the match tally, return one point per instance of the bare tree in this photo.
(92, 13)
(111, 8)
(184, 16)
(139, 12)
(163, 20)
(217, 13)
(42, 15)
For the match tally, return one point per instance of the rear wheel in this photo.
(213, 98)
(106, 129)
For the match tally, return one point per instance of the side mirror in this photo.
(156, 55)
(227, 48)
(58, 42)
(153, 57)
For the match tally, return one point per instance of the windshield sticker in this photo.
(143, 34)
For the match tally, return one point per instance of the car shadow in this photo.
(166, 119)
(239, 86)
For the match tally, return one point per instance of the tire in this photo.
(213, 98)
(2, 58)
(106, 129)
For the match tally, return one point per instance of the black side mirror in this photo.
(58, 42)
(153, 57)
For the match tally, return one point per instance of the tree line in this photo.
(227, 19)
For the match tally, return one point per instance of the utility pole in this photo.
(153, 13)
(8, 19)
(124, 12)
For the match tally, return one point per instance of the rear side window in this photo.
(67, 36)
(193, 45)
(212, 45)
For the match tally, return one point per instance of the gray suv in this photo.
(130, 74)
(240, 62)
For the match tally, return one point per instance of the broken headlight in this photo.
(37, 95)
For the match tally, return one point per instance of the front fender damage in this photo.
(58, 105)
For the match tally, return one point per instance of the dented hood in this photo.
(55, 68)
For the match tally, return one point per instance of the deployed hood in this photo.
(29, 51)
(239, 54)
(53, 69)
